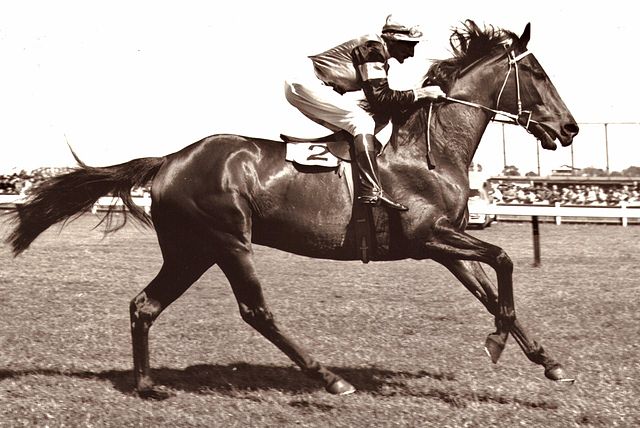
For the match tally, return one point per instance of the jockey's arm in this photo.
(372, 69)
(381, 96)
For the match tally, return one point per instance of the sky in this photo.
(124, 79)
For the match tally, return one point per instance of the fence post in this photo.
(146, 202)
(536, 240)
(623, 211)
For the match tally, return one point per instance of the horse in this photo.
(214, 199)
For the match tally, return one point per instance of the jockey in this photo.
(359, 64)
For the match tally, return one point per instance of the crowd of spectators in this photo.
(15, 183)
(19, 183)
(570, 194)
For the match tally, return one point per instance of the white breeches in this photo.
(325, 106)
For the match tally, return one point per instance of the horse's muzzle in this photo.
(569, 130)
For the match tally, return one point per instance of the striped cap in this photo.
(395, 30)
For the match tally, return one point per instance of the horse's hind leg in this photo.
(475, 279)
(177, 274)
(239, 268)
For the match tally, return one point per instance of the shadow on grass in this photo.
(236, 378)
(240, 380)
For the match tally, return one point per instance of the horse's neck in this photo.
(454, 134)
(484, 87)
(455, 130)
(458, 130)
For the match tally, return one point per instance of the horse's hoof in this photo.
(558, 374)
(155, 393)
(341, 387)
(494, 347)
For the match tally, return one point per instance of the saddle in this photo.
(338, 146)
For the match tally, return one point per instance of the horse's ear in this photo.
(526, 35)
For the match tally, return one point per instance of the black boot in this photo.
(370, 190)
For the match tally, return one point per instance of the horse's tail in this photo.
(67, 196)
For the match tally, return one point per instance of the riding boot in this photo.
(371, 192)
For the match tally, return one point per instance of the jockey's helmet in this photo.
(395, 30)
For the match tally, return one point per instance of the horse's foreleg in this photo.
(450, 244)
(475, 279)
(240, 271)
(170, 283)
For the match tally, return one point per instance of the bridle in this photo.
(522, 118)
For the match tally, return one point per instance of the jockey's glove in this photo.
(432, 93)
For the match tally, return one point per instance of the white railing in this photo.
(622, 212)
(11, 199)
(107, 201)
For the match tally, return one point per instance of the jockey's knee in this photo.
(362, 124)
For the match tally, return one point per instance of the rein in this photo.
(516, 119)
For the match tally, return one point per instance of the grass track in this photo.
(406, 334)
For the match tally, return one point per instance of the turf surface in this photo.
(406, 334)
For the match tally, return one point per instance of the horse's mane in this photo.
(468, 44)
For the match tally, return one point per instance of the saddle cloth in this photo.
(329, 151)
(311, 154)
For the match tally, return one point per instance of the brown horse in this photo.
(213, 199)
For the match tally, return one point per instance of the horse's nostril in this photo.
(571, 128)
